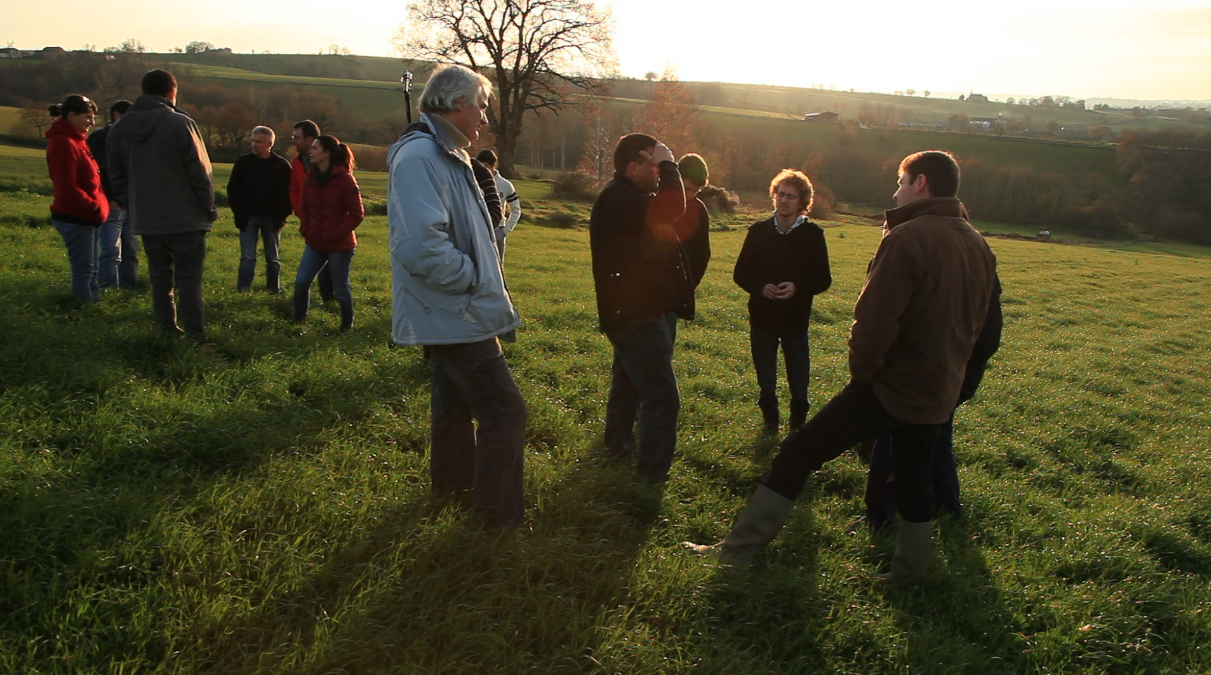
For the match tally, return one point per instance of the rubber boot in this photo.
(799, 413)
(760, 523)
(912, 553)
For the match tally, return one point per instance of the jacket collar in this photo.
(62, 127)
(443, 138)
(948, 207)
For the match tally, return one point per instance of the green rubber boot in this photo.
(760, 523)
(912, 553)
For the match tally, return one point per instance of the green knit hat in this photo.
(693, 169)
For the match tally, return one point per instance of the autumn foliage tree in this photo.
(539, 54)
(671, 115)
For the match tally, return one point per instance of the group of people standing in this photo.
(925, 323)
(928, 299)
(148, 173)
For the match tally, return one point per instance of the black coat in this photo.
(640, 268)
(769, 257)
(96, 145)
(259, 187)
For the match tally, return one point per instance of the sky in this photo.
(1079, 48)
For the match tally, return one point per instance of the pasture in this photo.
(262, 506)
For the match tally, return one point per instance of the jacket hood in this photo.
(62, 127)
(141, 120)
(948, 207)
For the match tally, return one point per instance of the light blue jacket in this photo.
(447, 285)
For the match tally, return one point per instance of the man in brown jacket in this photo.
(915, 323)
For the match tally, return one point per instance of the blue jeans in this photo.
(311, 264)
(119, 259)
(853, 415)
(644, 388)
(81, 243)
(266, 229)
(880, 502)
(472, 383)
(764, 347)
(176, 261)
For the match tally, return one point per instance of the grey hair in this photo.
(264, 130)
(451, 86)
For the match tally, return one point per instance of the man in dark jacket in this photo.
(160, 172)
(880, 498)
(259, 195)
(642, 279)
(783, 263)
(119, 260)
(916, 322)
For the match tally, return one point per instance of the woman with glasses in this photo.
(80, 205)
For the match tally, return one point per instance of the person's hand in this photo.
(660, 153)
(771, 291)
(788, 290)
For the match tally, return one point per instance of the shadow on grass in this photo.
(513, 601)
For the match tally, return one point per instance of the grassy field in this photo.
(262, 506)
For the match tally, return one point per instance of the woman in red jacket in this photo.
(331, 210)
(80, 205)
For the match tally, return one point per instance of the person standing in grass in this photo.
(916, 322)
(80, 205)
(448, 294)
(259, 195)
(160, 173)
(510, 202)
(303, 139)
(642, 277)
(331, 209)
(782, 265)
(119, 261)
(693, 228)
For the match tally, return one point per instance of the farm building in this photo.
(827, 117)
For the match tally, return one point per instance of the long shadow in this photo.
(427, 570)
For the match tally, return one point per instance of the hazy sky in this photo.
(1080, 48)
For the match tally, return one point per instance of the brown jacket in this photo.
(921, 310)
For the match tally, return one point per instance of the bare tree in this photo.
(539, 54)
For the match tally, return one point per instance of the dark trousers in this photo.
(472, 382)
(265, 229)
(764, 347)
(644, 389)
(175, 261)
(324, 281)
(880, 502)
(853, 415)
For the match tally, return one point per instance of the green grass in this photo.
(262, 506)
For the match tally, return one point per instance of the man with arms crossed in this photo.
(919, 314)
(642, 278)
(259, 194)
(448, 293)
(160, 173)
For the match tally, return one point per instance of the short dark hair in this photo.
(119, 107)
(73, 104)
(310, 129)
(628, 149)
(339, 154)
(159, 83)
(940, 169)
(486, 156)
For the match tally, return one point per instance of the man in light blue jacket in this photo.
(448, 293)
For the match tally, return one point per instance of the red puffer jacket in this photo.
(75, 175)
(331, 211)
